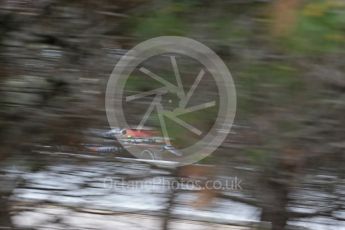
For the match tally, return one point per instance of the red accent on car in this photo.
(141, 133)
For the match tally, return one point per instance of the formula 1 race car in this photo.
(146, 138)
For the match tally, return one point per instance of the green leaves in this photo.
(320, 28)
(168, 20)
(273, 84)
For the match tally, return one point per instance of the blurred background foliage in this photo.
(286, 57)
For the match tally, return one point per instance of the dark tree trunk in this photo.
(170, 203)
(274, 204)
(5, 216)
(275, 212)
(168, 210)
